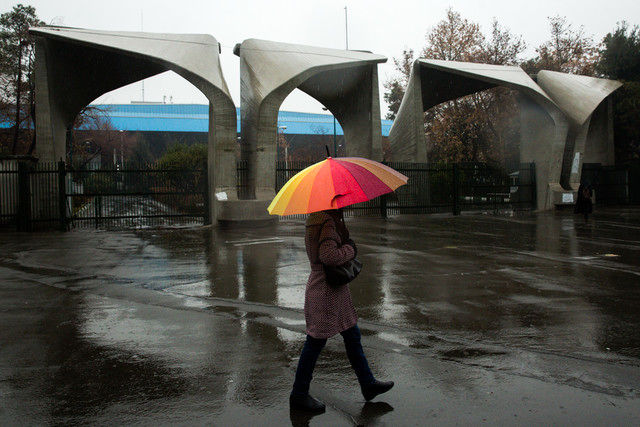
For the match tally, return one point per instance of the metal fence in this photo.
(9, 191)
(634, 182)
(438, 188)
(29, 194)
(242, 179)
(45, 195)
(137, 196)
(611, 184)
(54, 195)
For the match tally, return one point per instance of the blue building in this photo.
(194, 118)
(149, 129)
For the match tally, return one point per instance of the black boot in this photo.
(306, 403)
(369, 391)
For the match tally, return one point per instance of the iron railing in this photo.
(37, 195)
(9, 192)
(436, 188)
(54, 195)
(611, 184)
(137, 196)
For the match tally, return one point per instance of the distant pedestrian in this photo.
(584, 205)
(329, 310)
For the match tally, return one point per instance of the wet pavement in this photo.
(496, 319)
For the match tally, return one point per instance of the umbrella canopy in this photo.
(333, 184)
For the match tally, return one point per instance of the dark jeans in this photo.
(311, 351)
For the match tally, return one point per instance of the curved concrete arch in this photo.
(590, 136)
(74, 66)
(346, 82)
(433, 82)
(577, 96)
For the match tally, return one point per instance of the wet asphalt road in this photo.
(509, 320)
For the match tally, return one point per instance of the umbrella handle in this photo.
(327, 147)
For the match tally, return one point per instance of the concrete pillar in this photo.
(351, 94)
(346, 82)
(543, 133)
(599, 146)
(407, 137)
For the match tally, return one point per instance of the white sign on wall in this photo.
(567, 197)
(575, 164)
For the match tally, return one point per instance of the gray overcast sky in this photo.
(384, 27)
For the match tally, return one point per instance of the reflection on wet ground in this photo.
(502, 315)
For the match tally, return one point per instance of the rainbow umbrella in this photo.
(333, 184)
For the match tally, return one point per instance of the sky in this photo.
(383, 27)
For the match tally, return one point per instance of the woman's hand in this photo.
(333, 250)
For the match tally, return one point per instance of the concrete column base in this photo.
(561, 197)
(251, 213)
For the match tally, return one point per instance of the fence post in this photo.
(97, 207)
(24, 197)
(383, 206)
(62, 195)
(626, 185)
(456, 208)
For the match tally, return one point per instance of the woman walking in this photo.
(584, 205)
(329, 310)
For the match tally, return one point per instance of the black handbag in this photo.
(338, 275)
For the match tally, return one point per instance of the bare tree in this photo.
(397, 85)
(503, 47)
(568, 50)
(92, 134)
(473, 128)
(454, 39)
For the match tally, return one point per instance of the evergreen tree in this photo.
(620, 59)
(17, 98)
(620, 54)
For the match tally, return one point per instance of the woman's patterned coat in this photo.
(328, 311)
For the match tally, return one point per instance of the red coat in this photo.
(327, 310)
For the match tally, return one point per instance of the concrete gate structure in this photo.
(554, 115)
(564, 118)
(345, 81)
(590, 136)
(433, 82)
(75, 66)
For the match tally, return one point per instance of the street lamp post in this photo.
(121, 149)
(335, 146)
(280, 131)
